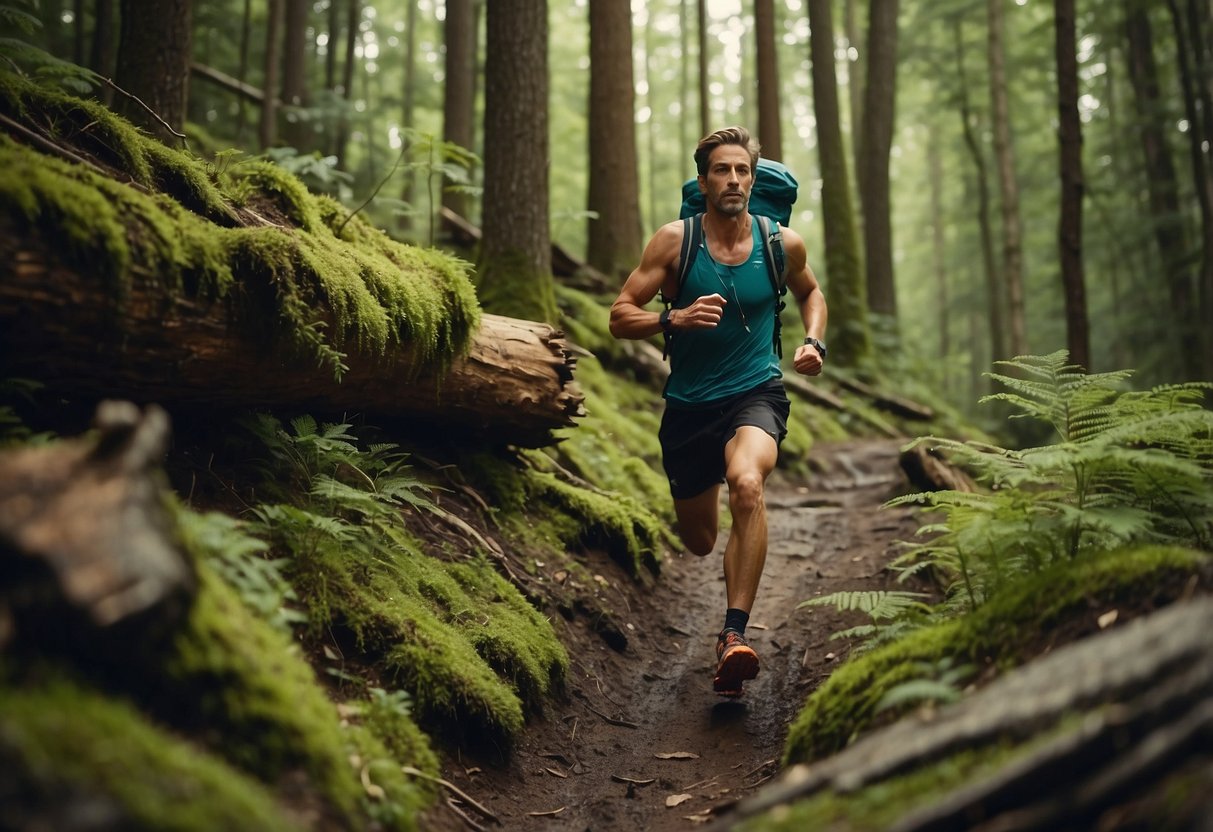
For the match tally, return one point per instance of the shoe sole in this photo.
(738, 665)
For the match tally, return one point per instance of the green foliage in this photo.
(1130, 467)
(459, 637)
(239, 559)
(59, 739)
(892, 613)
(937, 682)
(18, 54)
(1070, 593)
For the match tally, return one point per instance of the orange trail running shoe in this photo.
(736, 662)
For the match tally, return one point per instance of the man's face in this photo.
(727, 183)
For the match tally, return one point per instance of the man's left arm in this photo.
(809, 300)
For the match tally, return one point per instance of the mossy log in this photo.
(66, 328)
(1141, 695)
(85, 541)
(897, 405)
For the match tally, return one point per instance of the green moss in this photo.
(845, 705)
(245, 686)
(510, 284)
(880, 805)
(380, 294)
(391, 798)
(457, 636)
(64, 745)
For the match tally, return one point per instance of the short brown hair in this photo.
(729, 135)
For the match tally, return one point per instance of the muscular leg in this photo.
(699, 520)
(750, 457)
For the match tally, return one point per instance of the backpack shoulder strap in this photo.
(692, 238)
(776, 262)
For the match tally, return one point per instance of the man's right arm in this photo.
(659, 267)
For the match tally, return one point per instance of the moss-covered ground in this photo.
(996, 634)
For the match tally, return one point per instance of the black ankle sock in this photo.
(735, 619)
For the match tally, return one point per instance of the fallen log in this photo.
(897, 405)
(86, 545)
(565, 265)
(927, 470)
(66, 329)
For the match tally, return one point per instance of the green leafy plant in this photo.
(892, 613)
(17, 54)
(1128, 467)
(938, 682)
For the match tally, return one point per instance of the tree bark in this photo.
(939, 259)
(515, 270)
(878, 106)
(1191, 48)
(705, 112)
(408, 190)
(614, 193)
(296, 131)
(459, 91)
(101, 54)
(995, 309)
(1069, 226)
(1004, 155)
(848, 289)
(767, 55)
(153, 63)
(854, 76)
(1166, 221)
(353, 18)
(66, 329)
(267, 132)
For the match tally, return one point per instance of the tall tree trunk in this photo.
(330, 52)
(78, 38)
(684, 64)
(844, 271)
(939, 258)
(246, 33)
(1193, 64)
(268, 131)
(855, 77)
(1069, 226)
(101, 55)
(615, 235)
(353, 18)
(769, 133)
(459, 91)
(996, 311)
(878, 107)
(650, 129)
(514, 270)
(408, 191)
(1004, 155)
(705, 113)
(1163, 185)
(296, 131)
(154, 63)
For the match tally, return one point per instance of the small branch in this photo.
(109, 82)
(455, 790)
(403, 150)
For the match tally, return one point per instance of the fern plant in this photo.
(891, 614)
(1128, 467)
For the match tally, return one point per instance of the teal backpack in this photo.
(771, 201)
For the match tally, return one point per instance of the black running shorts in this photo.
(693, 439)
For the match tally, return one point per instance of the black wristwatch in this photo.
(818, 345)
(666, 326)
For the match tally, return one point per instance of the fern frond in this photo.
(880, 605)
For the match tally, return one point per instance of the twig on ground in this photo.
(458, 792)
(450, 801)
(109, 82)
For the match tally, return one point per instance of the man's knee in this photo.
(745, 492)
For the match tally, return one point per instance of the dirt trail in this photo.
(625, 708)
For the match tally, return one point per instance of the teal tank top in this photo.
(711, 364)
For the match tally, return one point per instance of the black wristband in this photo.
(666, 326)
(817, 345)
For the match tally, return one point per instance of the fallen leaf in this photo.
(560, 576)
(548, 813)
(331, 654)
(830, 657)
(1108, 619)
(754, 626)
(677, 755)
(556, 773)
(676, 799)
(619, 778)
